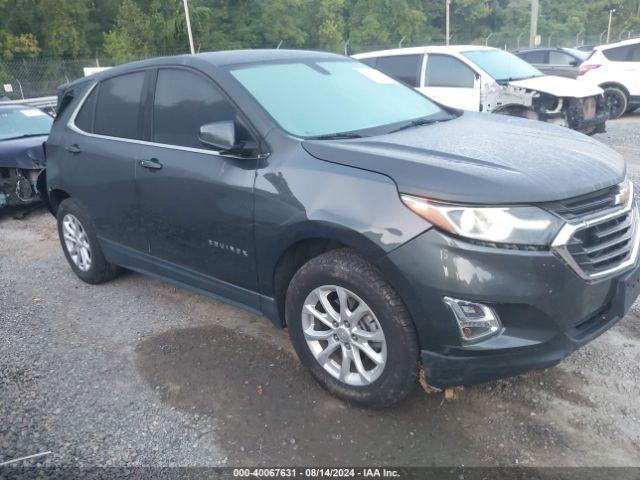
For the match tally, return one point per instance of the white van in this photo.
(491, 80)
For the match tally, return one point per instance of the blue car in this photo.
(23, 131)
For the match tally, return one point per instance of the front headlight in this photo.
(510, 225)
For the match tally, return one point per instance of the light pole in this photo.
(611, 12)
(188, 19)
(534, 23)
(447, 20)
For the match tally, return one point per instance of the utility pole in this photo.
(533, 34)
(611, 12)
(188, 18)
(448, 8)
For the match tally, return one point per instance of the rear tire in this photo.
(80, 244)
(616, 102)
(383, 338)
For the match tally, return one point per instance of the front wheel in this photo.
(352, 330)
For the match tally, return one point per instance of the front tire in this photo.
(352, 330)
(616, 102)
(80, 244)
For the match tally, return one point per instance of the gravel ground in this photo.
(137, 372)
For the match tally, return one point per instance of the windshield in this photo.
(322, 98)
(502, 66)
(19, 122)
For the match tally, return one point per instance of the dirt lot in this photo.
(138, 372)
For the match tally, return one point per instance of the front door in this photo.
(197, 204)
(450, 81)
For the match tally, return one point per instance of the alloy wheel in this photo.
(77, 242)
(344, 335)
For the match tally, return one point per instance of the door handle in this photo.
(151, 164)
(75, 149)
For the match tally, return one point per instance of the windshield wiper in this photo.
(336, 136)
(418, 122)
(26, 135)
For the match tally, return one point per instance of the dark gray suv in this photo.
(386, 232)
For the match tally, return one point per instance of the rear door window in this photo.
(184, 101)
(538, 56)
(446, 71)
(405, 68)
(119, 106)
(369, 61)
(618, 54)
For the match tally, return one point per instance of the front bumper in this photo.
(546, 309)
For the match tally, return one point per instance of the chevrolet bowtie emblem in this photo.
(623, 196)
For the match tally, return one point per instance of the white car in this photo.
(492, 80)
(615, 68)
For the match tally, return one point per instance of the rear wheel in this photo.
(616, 102)
(80, 244)
(351, 329)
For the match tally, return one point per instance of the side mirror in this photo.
(574, 63)
(220, 135)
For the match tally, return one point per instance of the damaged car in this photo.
(491, 80)
(23, 131)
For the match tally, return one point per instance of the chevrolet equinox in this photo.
(387, 232)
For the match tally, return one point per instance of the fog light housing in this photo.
(475, 320)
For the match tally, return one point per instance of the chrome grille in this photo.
(602, 235)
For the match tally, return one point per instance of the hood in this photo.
(26, 153)
(558, 86)
(482, 158)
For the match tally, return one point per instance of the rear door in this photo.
(197, 203)
(451, 82)
(101, 146)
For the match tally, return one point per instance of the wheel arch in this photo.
(55, 198)
(617, 85)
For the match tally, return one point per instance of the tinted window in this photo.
(635, 53)
(538, 56)
(446, 71)
(560, 58)
(118, 106)
(84, 119)
(405, 68)
(185, 101)
(618, 54)
(369, 61)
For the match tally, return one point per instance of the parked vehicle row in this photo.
(384, 230)
(494, 81)
(614, 67)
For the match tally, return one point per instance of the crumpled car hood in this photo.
(559, 86)
(26, 153)
(482, 158)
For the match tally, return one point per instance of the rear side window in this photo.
(118, 106)
(405, 68)
(538, 56)
(618, 54)
(184, 101)
(635, 53)
(446, 71)
(84, 119)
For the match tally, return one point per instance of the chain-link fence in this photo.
(28, 78)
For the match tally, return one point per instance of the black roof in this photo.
(214, 59)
